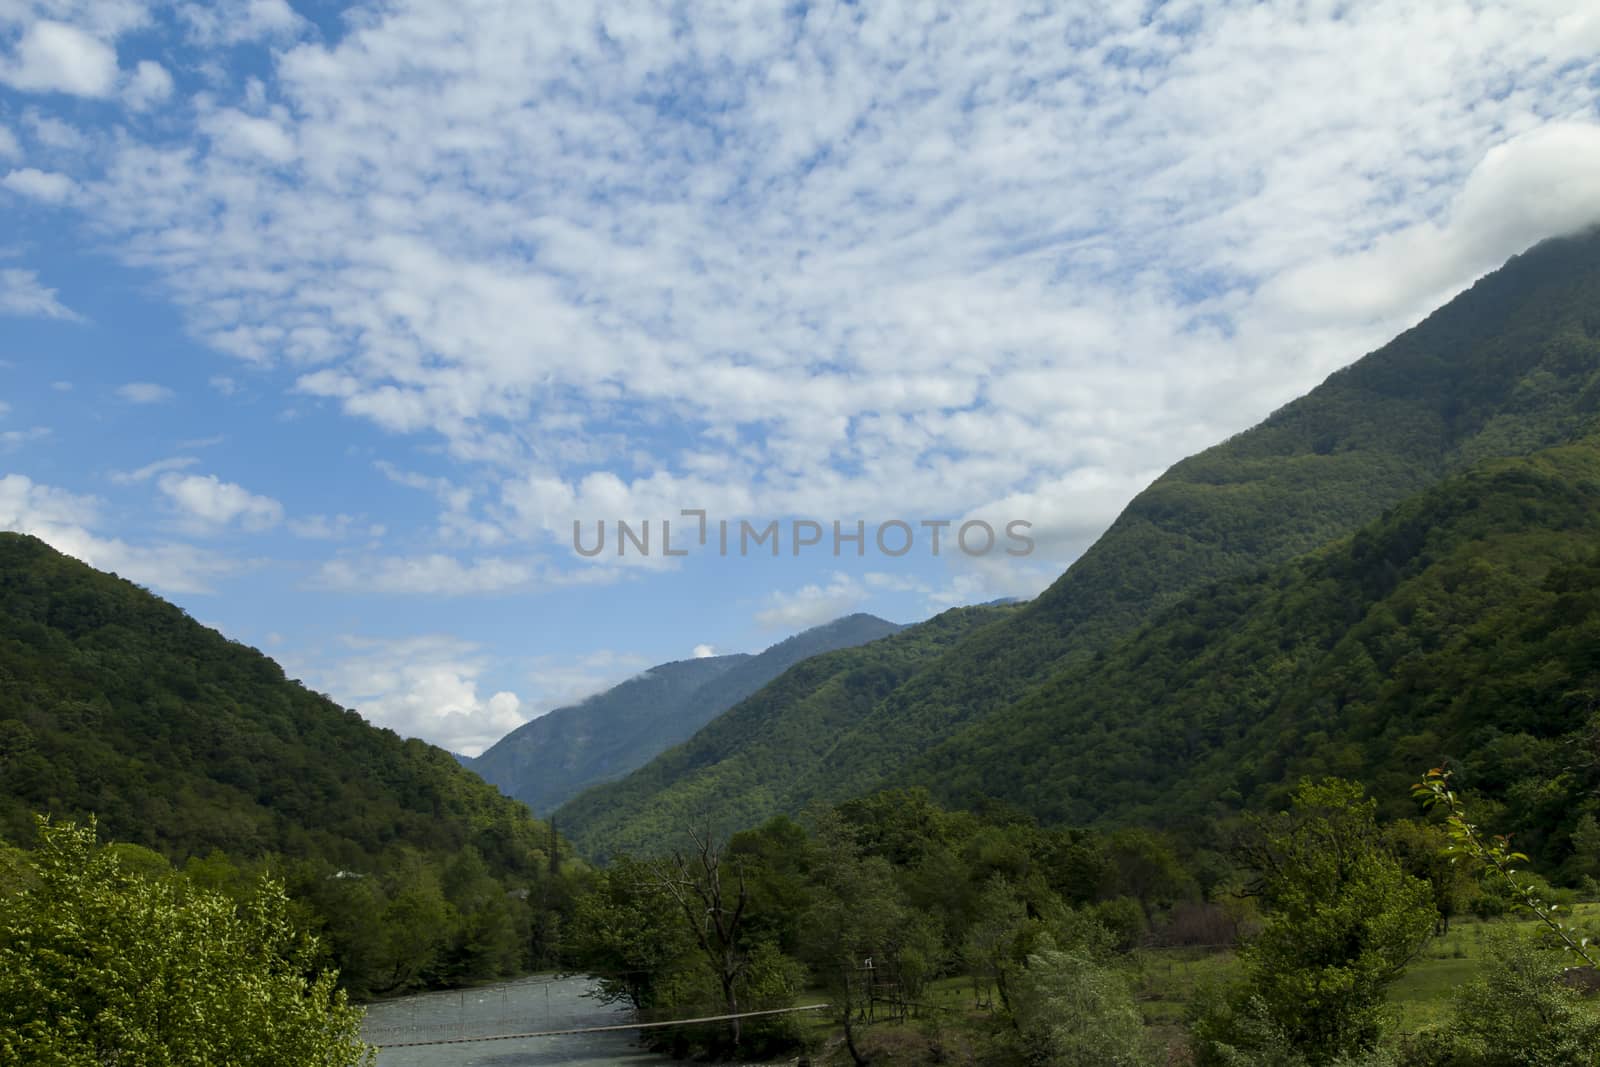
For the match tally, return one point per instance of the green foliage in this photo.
(102, 963)
(628, 934)
(1342, 919)
(1517, 1013)
(1494, 859)
(1072, 1010)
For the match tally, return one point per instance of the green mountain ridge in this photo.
(1509, 367)
(115, 703)
(743, 766)
(1461, 629)
(552, 758)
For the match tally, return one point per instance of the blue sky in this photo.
(328, 322)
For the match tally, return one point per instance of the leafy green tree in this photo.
(1073, 1010)
(852, 919)
(1342, 919)
(1423, 850)
(996, 942)
(627, 934)
(101, 964)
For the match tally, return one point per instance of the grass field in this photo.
(1169, 978)
(957, 1021)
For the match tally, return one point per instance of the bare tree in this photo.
(696, 883)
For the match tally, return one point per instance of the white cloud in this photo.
(48, 186)
(704, 651)
(207, 501)
(812, 604)
(237, 21)
(867, 262)
(55, 57)
(53, 133)
(426, 575)
(326, 527)
(1543, 182)
(237, 134)
(423, 686)
(65, 521)
(149, 84)
(9, 149)
(22, 294)
(145, 393)
(11, 440)
(150, 470)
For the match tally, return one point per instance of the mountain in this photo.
(752, 762)
(116, 703)
(1462, 628)
(1507, 368)
(553, 758)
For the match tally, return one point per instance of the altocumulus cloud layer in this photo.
(826, 260)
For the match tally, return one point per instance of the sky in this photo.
(329, 323)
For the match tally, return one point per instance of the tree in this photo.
(851, 918)
(1073, 1010)
(100, 964)
(1423, 850)
(999, 938)
(1342, 921)
(628, 935)
(715, 913)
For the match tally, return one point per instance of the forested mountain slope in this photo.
(553, 758)
(116, 703)
(1507, 368)
(1462, 628)
(755, 760)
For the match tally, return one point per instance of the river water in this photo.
(542, 1002)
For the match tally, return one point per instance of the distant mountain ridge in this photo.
(755, 760)
(1506, 369)
(553, 758)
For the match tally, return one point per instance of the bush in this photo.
(1517, 1013)
(1072, 1011)
(1124, 918)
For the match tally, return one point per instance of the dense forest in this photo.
(1461, 629)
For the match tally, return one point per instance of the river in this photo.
(542, 1002)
